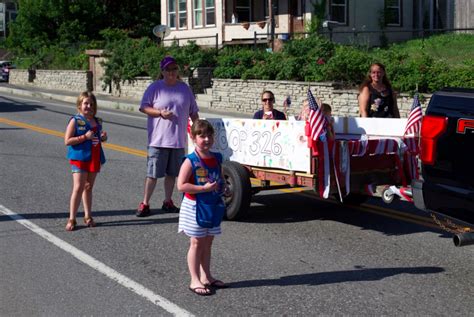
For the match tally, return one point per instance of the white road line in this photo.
(99, 266)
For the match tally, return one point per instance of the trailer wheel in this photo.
(237, 199)
(388, 196)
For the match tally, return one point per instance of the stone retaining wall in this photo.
(228, 94)
(19, 77)
(69, 80)
(244, 96)
(198, 81)
(133, 89)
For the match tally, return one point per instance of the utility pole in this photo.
(272, 10)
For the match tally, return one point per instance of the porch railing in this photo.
(355, 34)
(177, 40)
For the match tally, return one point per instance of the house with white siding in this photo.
(225, 22)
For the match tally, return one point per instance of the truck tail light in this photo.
(431, 129)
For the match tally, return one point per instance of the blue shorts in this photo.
(163, 162)
(75, 169)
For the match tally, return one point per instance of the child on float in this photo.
(200, 175)
(83, 138)
(304, 113)
(327, 112)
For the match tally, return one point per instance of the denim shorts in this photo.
(75, 169)
(163, 162)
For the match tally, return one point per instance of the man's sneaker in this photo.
(168, 206)
(143, 210)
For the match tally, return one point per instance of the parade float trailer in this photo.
(367, 154)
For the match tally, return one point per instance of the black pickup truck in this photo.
(447, 158)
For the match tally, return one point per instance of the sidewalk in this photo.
(103, 100)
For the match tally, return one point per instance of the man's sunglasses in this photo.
(172, 69)
(267, 99)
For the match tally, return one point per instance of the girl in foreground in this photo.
(200, 178)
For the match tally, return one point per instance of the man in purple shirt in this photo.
(169, 103)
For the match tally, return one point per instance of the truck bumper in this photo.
(457, 203)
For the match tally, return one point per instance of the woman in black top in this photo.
(268, 112)
(376, 97)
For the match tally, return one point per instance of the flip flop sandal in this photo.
(71, 225)
(196, 290)
(89, 222)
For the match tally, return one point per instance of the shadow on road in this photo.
(267, 209)
(321, 278)
(99, 216)
(11, 105)
(293, 207)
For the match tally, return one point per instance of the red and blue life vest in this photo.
(203, 173)
(83, 151)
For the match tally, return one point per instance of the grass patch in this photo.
(454, 49)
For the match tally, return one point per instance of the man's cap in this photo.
(165, 62)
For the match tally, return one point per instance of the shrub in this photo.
(290, 68)
(55, 57)
(314, 46)
(233, 63)
(266, 66)
(348, 65)
(129, 58)
(306, 57)
(443, 75)
(192, 56)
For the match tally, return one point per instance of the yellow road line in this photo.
(32, 127)
(125, 149)
(110, 146)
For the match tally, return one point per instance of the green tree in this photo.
(138, 17)
(44, 27)
(50, 22)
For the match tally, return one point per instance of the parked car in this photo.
(5, 67)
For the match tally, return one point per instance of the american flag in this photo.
(414, 119)
(317, 120)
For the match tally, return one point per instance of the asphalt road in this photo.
(293, 255)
